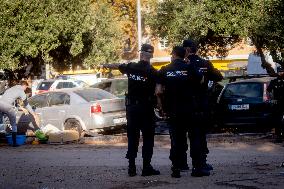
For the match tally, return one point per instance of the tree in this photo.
(214, 24)
(217, 25)
(268, 32)
(64, 33)
(126, 11)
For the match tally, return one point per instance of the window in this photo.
(39, 101)
(59, 99)
(94, 94)
(45, 85)
(127, 45)
(120, 87)
(105, 86)
(68, 85)
(64, 85)
(163, 44)
(244, 90)
(59, 85)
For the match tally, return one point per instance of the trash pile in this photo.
(48, 134)
(52, 135)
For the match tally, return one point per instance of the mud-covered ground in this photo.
(245, 162)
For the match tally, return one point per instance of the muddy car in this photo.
(86, 110)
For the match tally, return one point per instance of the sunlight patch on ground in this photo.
(267, 147)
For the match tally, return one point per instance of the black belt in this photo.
(135, 101)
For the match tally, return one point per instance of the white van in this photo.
(90, 79)
(254, 64)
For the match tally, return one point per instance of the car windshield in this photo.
(244, 90)
(94, 94)
(45, 85)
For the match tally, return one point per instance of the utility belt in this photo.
(130, 100)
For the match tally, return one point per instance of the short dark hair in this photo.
(147, 48)
(191, 44)
(24, 83)
(179, 51)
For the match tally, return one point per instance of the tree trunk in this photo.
(258, 42)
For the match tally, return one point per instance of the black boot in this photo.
(148, 170)
(132, 168)
(175, 172)
(14, 139)
(208, 166)
(199, 172)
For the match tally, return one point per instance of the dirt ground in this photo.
(240, 161)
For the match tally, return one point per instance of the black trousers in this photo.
(140, 117)
(278, 120)
(180, 130)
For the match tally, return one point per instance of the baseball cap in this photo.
(147, 48)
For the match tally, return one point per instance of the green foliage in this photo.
(61, 32)
(214, 24)
(218, 25)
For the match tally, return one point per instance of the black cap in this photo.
(191, 44)
(179, 51)
(147, 48)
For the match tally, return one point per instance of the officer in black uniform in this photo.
(276, 87)
(176, 84)
(140, 102)
(202, 116)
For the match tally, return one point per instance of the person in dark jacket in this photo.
(202, 98)
(276, 87)
(140, 103)
(177, 84)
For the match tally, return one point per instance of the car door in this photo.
(58, 107)
(40, 105)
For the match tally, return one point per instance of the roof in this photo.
(255, 80)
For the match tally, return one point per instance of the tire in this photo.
(73, 124)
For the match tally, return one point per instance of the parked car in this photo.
(85, 110)
(90, 79)
(117, 86)
(52, 84)
(245, 102)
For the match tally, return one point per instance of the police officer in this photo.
(176, 84)
(276, 87)
(202, 113)
(140, 102)
(6, 105)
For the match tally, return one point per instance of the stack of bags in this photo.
(54, 136)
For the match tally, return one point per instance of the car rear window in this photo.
(244, 90)
(121, 87)
(45, 85)
(94, 94)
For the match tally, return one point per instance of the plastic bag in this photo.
(40, 135)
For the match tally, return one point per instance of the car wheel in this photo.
(73, 124)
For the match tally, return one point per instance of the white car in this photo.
(52, 84)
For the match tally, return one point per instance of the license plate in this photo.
(239, 107)
(119, 120)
